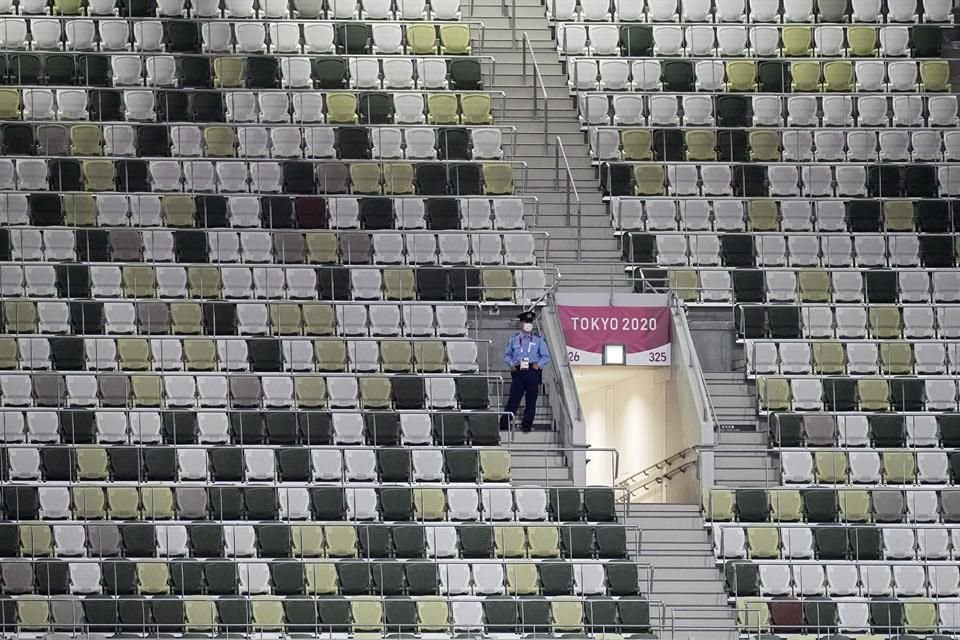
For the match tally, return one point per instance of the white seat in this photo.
(801, 110)
(319, 142)
(731, 40)
(667, 40)
(710, 74)
(796, 466)
(604, 39)
(866, 10)
(614, 75)
(729, 542)
(420, 142)
(842, 579)
(837, 111)
(387, 39)
(902, 75)
(870, 75)
(318, 38)
(700, 40)
(398, 73)
(797, 11)
(572, 40)
(431, 74)
(364, 73)
(854, 616)
(645, 75)
(907, 111)
(284, 37)
(797, 542)
(80, 34)
(828, 40)
(764, 41)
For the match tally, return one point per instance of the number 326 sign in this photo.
(644, 332)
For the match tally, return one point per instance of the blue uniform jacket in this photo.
(530, 346)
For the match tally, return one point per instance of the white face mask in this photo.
(527, 327)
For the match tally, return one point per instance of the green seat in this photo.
(806, 75)
(79, 209)
(765, 147)
(543, 541)
(365, 178)
(522, 579)
(919, 615)
(67, 7)
(228, 72)
(203, 282)
(92, 463)
(899, 467)
(421, 39)
(322, 246)
(455, 39)
(310, 391)
(814, 285)
(442, 108)
(20, 316)
(99, 175)
(636, 144)
(396, 356)
(896, 358)
(147, 390)
(648, 180)
(367, 613)
(685, 283)
(838, 76)
(567, 613)
(741, 75)
(433, 614)
(331, 355)
(286, 319)
(376, 392)
(796, 41)
(898, 215)
(134, 354)
(701, 145)
(497, 285)
(9, 104)
(854, 506)
(495, 465)
(8, 354)
(86, 140)
(307, 540)
(200, 355)
(88, 503)
(219, 142)
(399, 284)
(123, 503)
(830, 467)
(200, 614)
(35, 540)
(717, 505)
(874, 394)
(884, 322)
(497, 179)
(861, 41)
(341, 108)
(753, 616)
(935, 76)
(157, 502)
(267, 613)
(429, 504)
(33, 612)
(763, 214)
(509, 542)
(398, 179)
(430, 356)
(179, 211)
(153, 578)
(828, 357)
(785, 505)
(139, 281)
(186, 318)
(763, 542)
(476, 108)
(774, 393)
(321, 578)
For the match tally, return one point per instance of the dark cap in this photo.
(527, 316)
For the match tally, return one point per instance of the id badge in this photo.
(524, 364)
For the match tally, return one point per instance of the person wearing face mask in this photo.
(526, 355)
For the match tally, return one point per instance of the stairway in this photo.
(743, 460)
(599, 259)
(676, 546)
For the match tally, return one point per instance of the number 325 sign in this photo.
(644, 333)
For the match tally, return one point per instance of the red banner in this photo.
(643, 332)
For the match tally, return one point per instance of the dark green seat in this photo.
(395, 465)
(287, 578)
(819, 616)
(886, 616)
(732, 146)
(329, 72)
(354, 577)
(616, 179)
(375, 108)
(160, 463)
(382, 429)
(599, 504)
(453, 143)
(732, 111)
(431, 179)
(839, 394)
(462, 465)
(328, 503)
(611, 542)
(820, 505)
(774, 77)
(334, 614)
(741, 578)
(374, 541)
(422, 577)
(623, 578)
(293, 464)
(556, 578)
(409, 392)
(226, 463)
(926, 41)
(600, 615)
(906, 395)
(787, 430)
(25, 69)
(636, 40)
(400, 615)
(865, 543)
(167, 613)
(221, 577)
(93, 70)
(263, 72)
(502, 615)
(353, 143)
(301, 614)
(830, 543)
(18, 140)
(565, 504)
(195, 72)
(535, 615)
(61, 69)
(396, 503)
(752, 505)
(315, 427)
(634, 614)
(352, 39)
(233, 614)
(466, 75)
(208, 106)
(677, 76)
(388, 578)
(465, 180)
(183, 36)
(888, 431)
(476, 541)
(577, 541)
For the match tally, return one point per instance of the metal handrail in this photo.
(680, 315)
(570, 186)
(656, 466)
(538, 80)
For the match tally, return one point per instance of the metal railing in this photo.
(636, 483)
(570, 188)
(538, 80)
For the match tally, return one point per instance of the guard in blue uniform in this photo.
(526, 355)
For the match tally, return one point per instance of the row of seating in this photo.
(306, 428)
(898, 544)
(789, 216)
(767, 111)
(766, 145)
(414, 142)
(253, 247)
(770, 578)
(868, 467)
(418, 540)
(789, 41)
(794, 430)
(796, 249)
(279, 319)
(250, 391)
(886, 617)
(259, 614)
(188, 37)
(261, 354)
(238, 176)
(759, 11)
(852, 393)
(251, 212)
(263, 9)
(925, 357)
(758, 179)
(316, 578)
(228, 464)
(327, 283)
(842, 504)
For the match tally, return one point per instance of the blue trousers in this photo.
(524, 383)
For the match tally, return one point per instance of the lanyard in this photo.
(529, 343)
